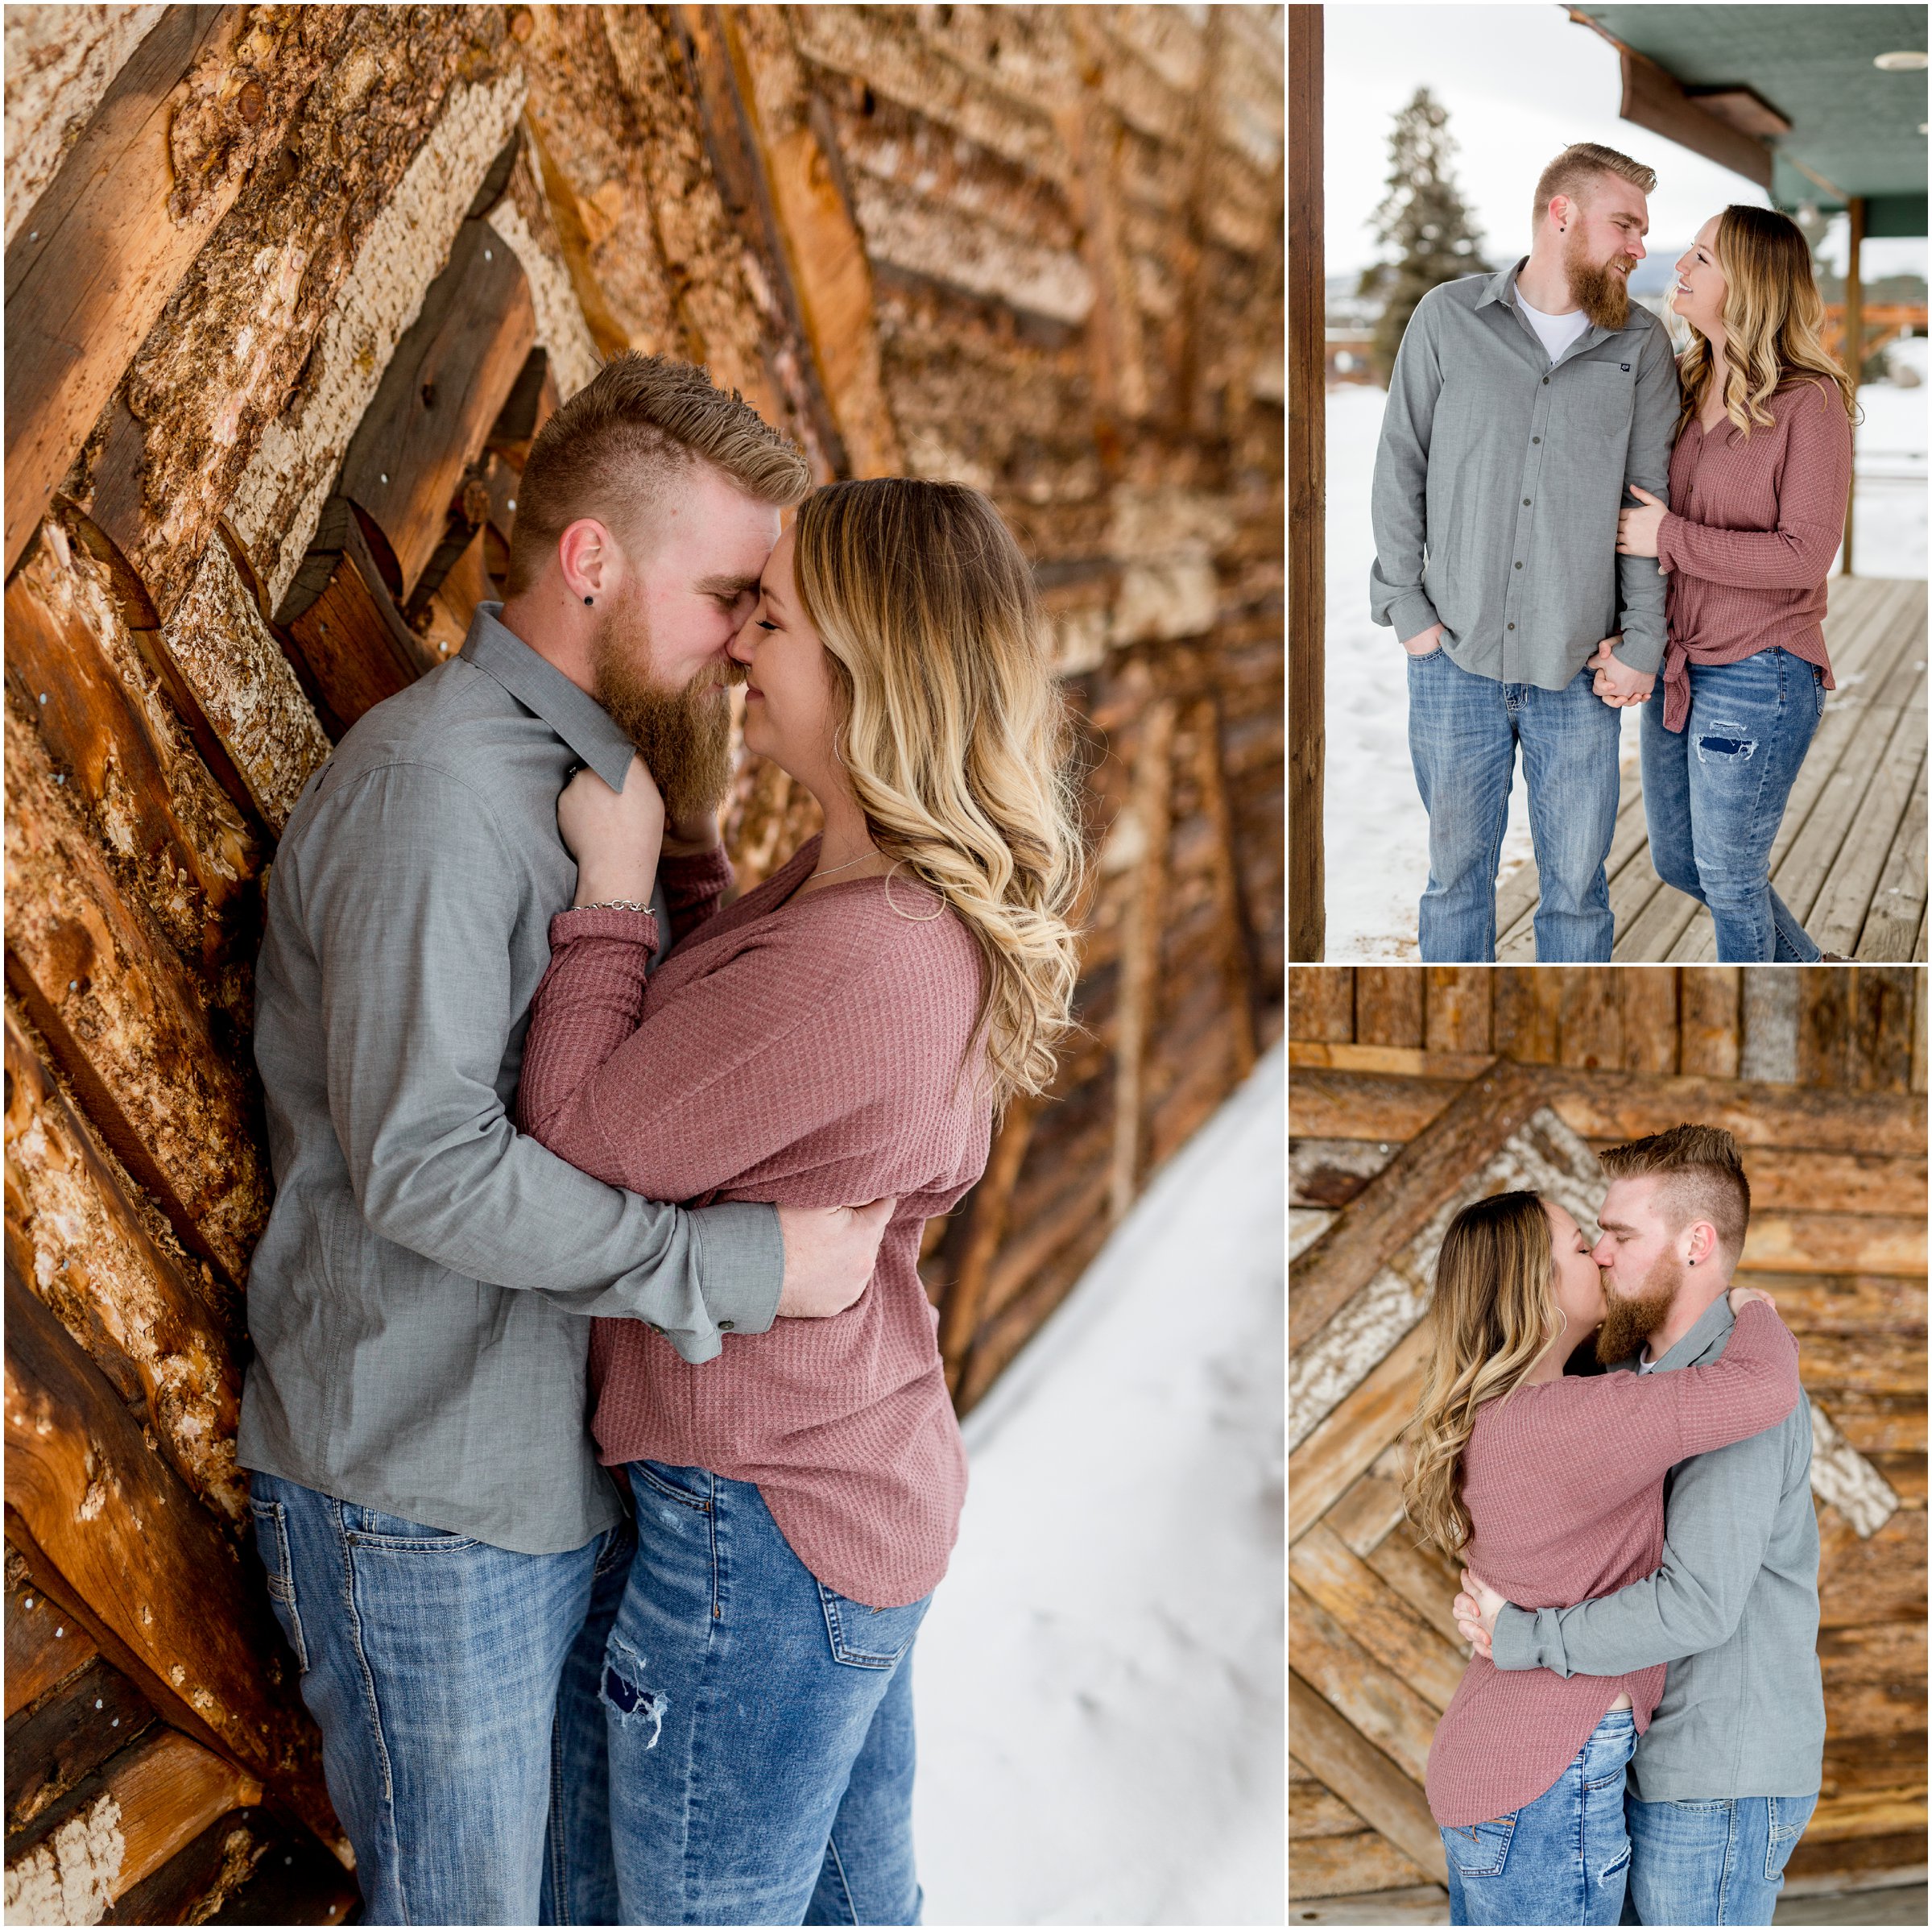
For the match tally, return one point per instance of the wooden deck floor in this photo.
(1850, 858)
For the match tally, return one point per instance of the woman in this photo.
(1760, 478)
(846, 1032)
(1557, 1484)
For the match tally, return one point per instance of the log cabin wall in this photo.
(354, 258)
(1412, 1090)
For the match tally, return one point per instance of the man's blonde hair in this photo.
(1703, 1179)
(619, 443)
(1581, 163)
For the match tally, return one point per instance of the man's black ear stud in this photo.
(586, 599)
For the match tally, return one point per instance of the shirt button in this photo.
(1546, 381)
(654, 1326)
(1512, 626)
(1536, 438)
(725, 1327)
(1526, 502)
(1519, 565)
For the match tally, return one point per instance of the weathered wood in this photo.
(1880, 1423)
(1590, 1019)
(1857, 1819)
(1399, 1201)
(1315, 1812)
(1629, 1105)
(1427, 1581)
(1322, 1003)
(1875, 1579)
(1388, 1006)
(1369, 1511)
(1650, 1023)
(74, 1233)
(1822, 1242)
(984, 1228)
(1139, 981)
(1843, 1182)
(1526, 1001)
(1330, 1173)
(1768, 1034)
(1324, 1736)
(1458, 1010)
(176, 839)
(44, 1644)
(1400, 1060)
(1330, 1573)
(1824, 1015)
(250, 1867)
(1872, 1305)
(443, 390)
(1324, 1104)
(1862, 1764)
(1348, 1866)
(352, 638)
(128, 1027)
(92, 269)
(122, 1825)
(1707, 1024)
(67, 1737)
(1351, 1437)
(1838, 1360)
(1880, 1050)
(166, 1595)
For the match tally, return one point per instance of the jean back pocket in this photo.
(869, 1638)
(271, 1541)
(1481, 1849)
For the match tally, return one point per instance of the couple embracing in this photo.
(1563, 510)
(1639, 1735)
(601, 1460)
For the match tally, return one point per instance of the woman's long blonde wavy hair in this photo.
(1774, 320)
(1494, 1313)
(951, 728)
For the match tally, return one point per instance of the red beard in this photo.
(1602, 291)
(1629, 1322)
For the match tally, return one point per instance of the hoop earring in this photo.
(907, 915)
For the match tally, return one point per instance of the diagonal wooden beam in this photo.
(1344, 1445)
(1363, 1777)
(1395, 1205)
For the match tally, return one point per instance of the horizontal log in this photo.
(91, 270)
(1314, 1810)
(1875, 1708)
(1347, 1866)
(442, 391)
(1859, 1818)
(1852, 1304)
(128, 1026)
(1904, 1474)
(1891, 1364)
(44, 1644)
(75, 1234)
(1829, 1243)
(1830, 1864)
(1400, 1201)
(1880, 1423)
(249, 1866)
(1629, 1105)
(1324, 1735)
(92, 1508)
(1326, 1104)
(66, 1737)
(1876, 1578)
(126, 1822)
(1331, 1172)
(108, 726)
(1875, 1762)
(1837, 1183)
(1330, 1573)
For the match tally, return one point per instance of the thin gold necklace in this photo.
(848, 864)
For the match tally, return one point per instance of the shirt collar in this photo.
(1502, 287)
(538, 685)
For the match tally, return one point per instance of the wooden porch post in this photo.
(1307, 485)
(1855, 342)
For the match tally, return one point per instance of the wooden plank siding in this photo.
(1404, 1081)
(356, 258)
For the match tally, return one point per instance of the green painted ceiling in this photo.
(1851, 122)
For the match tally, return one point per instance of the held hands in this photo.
(1423, 641)
(1637, 528)
(829, 1255)
(1617, 684)
(1475, 1610)
(613, 835)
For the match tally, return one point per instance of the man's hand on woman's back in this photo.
(829, 1255)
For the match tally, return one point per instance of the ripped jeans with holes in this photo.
(1564, 1858)
(739, 1734)
(1714, 795)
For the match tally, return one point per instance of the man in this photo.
(1521, 407)
(1726, 1776)
(427, 1497)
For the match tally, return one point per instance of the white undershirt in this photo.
(1555, 332)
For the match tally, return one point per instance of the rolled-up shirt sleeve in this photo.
(1400, 497)
(409, 897)
(1647, 464)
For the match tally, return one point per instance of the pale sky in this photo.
(1519, 81)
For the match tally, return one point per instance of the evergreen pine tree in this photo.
(1423, 217)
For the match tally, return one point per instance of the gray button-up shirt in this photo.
(1733, 1610)
(419, 1301)
(1498, 480)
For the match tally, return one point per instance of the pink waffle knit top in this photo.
(1753, 525)
(806, 1053)
(1564, 1482)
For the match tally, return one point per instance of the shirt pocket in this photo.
(1598, 399)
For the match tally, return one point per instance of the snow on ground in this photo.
(1099, 1681)
(1377, 831)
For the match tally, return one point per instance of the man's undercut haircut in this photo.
(1703, 1179)
(617, 447)
(1573, 172)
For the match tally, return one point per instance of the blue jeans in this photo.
(431, 1662)
(1561, 1859)
(741, 1735)
(1714, 795)
(1718, 1861)
(1463, 731)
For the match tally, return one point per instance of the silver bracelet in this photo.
(613, 905)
